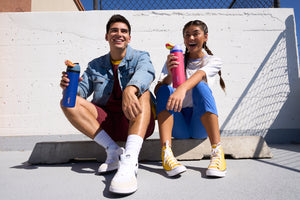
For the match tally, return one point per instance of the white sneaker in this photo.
(125, 181)
(112, 160)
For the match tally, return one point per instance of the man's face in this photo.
(118, 36)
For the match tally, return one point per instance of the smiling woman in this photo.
(189, 111)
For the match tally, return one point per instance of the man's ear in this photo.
(106, 37)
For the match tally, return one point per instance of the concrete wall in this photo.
(258, 47)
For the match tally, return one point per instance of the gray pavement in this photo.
(276, 178)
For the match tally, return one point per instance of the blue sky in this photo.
(296, 5)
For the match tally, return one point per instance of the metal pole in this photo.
(95, 4)
(276, 3)
(232, 3)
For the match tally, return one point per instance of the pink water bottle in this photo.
(178, 73)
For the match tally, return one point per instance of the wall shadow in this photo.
(267, 96)
(291, 105)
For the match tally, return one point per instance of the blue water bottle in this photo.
(70, 93)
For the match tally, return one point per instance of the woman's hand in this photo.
(171, 62)
(176, 99)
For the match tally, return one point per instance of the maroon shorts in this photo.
(116, 124)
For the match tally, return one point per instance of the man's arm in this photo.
(130, 102)
(144, 74)
(139, 83)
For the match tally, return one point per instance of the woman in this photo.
(190, 110)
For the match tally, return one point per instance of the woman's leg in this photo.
(166, 122)
(211, 124)
(170, 123)
(205, 109)
(165, 118)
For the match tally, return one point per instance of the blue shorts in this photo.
(187, 122)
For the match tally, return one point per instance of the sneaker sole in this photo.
(176, 171)
(123, 191)
(109, 169)
(215, 173)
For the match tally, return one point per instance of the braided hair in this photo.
(203, 27)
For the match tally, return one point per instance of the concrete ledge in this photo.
(187, 149)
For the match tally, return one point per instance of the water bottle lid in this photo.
(76, 68)
(176, 48)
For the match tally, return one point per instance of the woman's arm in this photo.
(176, 99)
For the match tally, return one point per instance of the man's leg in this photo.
(84, 118)
(125, 181)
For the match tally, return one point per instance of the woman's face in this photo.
(194, 38)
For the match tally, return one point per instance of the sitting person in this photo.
(120, 109)
(190, 110)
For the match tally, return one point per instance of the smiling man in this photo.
(120, 109)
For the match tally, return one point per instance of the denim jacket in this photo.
(135, 69)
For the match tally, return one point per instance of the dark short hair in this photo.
(117, 18)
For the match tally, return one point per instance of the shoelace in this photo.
(215, 158)
(169, 158)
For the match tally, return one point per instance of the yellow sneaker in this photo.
(217, 166)
(171, 166)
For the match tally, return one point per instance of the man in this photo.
(120, 109)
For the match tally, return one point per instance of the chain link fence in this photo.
(180, 4)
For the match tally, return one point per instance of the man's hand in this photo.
(64, 82)
(130, 103)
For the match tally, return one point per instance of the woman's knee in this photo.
(200, 90)
(162, 96)
(164, 91)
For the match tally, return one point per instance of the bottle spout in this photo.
(170, 46)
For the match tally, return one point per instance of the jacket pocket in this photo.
(99, 83)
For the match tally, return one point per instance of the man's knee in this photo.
(78, 102)
(145, 97)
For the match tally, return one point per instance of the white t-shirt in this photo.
(210, 64)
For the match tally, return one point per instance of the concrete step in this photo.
(184, 149)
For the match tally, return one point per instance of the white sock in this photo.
(133, 146)
(105, 140)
